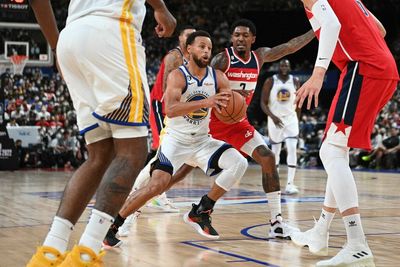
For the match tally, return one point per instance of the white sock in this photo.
(324, 221)
(274, 203)
(59, 234)
(95, 231)
(290, 176)
(354, 229)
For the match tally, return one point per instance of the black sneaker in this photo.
(111, 240)
(201, 222)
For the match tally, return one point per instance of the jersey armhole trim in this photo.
(215, 80)
(229, 60)
(184, 77)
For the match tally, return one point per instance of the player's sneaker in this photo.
(41, 260)
(280, 229)
(291, 189)
(358, 255)
(73, 258)
(163, 203)
(201, 222)
(125, 229)
(111, 240)
(315, 238)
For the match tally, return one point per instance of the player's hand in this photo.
(244, 93)
(278, 123)
(166, 22)
(219, 100)
(311, 88)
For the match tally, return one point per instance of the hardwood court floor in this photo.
(29, 200)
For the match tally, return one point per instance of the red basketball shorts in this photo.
(356, 104)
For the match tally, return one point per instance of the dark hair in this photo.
(195, 34)
(244, 23)
(182, 28)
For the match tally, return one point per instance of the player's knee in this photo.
(240, 167)
(329, 152)
(233, 169)
(265, 157)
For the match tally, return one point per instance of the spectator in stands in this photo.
(43, 122)
(387, 152)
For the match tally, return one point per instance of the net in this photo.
(18, 62)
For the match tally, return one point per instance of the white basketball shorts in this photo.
(289, 130)
(103, 63)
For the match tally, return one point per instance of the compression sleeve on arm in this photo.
(329, 34)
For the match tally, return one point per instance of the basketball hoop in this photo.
(19, 63)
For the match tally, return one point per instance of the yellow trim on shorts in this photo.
(129, 46)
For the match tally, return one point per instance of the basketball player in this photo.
(171, 61)
(242, 66)
(352, 37)
(277, 102)
(191, 92)
(103, 63)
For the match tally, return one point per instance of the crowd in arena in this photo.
(39, 100)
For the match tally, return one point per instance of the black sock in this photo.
(205, 204)
(119, 221)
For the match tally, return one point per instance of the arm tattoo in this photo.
(220, 62)
(272, 54)
(172, 61)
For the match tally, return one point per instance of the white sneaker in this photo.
(125, 229)
(280, 229)
(163, 203)
(315, 239)
(291, 189)
(359, 255)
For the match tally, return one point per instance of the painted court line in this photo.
(243, 258)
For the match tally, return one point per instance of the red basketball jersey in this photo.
(242, 75)
(359, 40)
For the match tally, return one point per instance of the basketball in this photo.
(235, 111)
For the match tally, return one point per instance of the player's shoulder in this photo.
(177, 73)
(220, 61)
(295, 78)
(174, 53)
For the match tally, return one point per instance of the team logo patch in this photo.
(199, 115)
(283, 95)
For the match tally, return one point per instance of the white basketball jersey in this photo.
(195, 124)
(282, 97)
(128, 10)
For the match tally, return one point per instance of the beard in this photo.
(199, 62)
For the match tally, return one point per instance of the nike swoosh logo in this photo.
(322, 58)
(234, 62)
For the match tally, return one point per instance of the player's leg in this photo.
(351, 129)
(276, 149)
(275, 135)
(230, 165)
(316, 239)
(270, 179)
(169, 157)
(291, 147)
(81, 187)
(156, 185)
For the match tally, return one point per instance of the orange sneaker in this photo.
(40, 259)
(73, 258)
